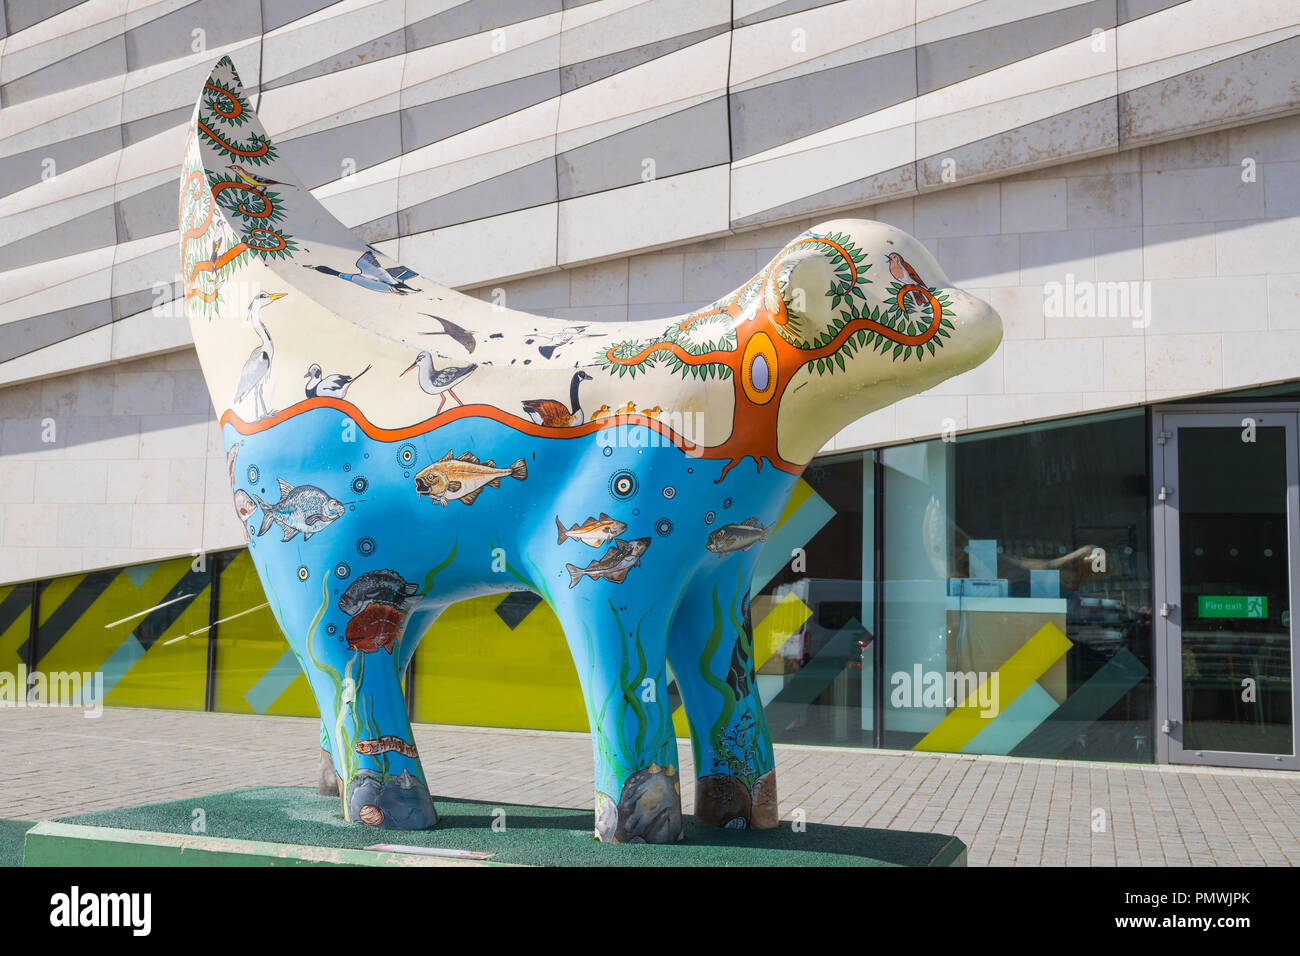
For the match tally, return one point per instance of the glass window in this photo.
(1017, 592)
(1236, 590)
(812, 641)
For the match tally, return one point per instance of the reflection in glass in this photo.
(1016, 601)
(812, 648)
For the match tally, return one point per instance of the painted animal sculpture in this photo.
(628, 473)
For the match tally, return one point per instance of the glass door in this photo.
(1226, 513)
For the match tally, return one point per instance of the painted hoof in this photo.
(327, 781)
(400, 803)
(765, 814)
(721, 800)
(649, 810)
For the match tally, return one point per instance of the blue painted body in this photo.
(682, 603)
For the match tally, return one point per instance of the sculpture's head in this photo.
(849, 317)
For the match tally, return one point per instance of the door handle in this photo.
(1165, 608)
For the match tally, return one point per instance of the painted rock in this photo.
(765, 815)
(327, 781)
(399, 803)
(606, 817)
(721, 800)
(650, 809)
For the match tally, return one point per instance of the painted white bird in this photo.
(258, 365)
(436, 381)
(330, 386)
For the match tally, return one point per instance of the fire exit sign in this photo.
(1232, 605)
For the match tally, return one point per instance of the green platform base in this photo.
(11, 841)
(293, 826)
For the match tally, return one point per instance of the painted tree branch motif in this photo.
(213, 246)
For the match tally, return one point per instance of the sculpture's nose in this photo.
(978, 325)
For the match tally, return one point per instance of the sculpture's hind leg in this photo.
(360, 699)
(618, 643)
(421, 619)
(711, 649)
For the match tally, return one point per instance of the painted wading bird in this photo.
(440, 381)
(258, 365)
(330, 386)
(548, 411)
(371, 275)
(257, 182)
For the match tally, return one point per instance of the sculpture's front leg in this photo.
(362, 709)
(711, 649)
(419, 622)
(618, 639)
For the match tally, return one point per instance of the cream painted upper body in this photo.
(321, 319)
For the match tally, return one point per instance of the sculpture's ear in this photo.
(803, 280)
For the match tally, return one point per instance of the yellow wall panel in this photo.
(102, 636)
(471, 668)
(13, 640)
(249, 646)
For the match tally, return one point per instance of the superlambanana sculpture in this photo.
(395, 446)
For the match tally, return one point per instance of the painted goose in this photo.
(548, 411)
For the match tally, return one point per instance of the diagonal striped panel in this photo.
(1085, 706)
(1015, 676)
(139, 637)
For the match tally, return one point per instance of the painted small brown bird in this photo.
(901, 270)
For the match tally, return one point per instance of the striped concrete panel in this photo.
(413, 116)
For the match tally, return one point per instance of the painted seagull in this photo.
(436, 381)
(560, 339)
(258, 366)
(371, 275)
(330, 386)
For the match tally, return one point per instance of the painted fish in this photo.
(614, 566)
(305, 508)
(737, 537)
(382, 587)
(376, 628)
(244, 505)
(593, 531)
(231, 455)
(384, 744)
(462, 479)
